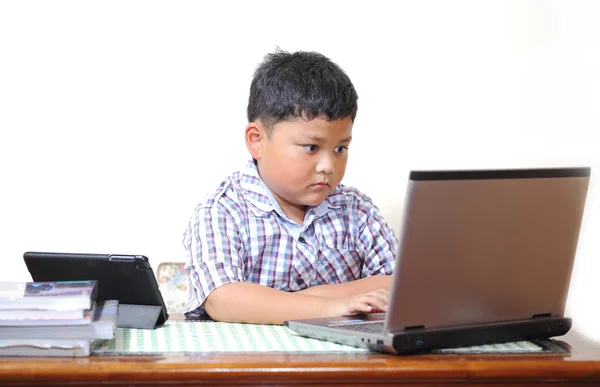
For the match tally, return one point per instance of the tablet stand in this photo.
(138, 316)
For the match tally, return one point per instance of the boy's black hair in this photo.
(302, 84)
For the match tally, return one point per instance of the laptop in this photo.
(485, 256)
(128, 279)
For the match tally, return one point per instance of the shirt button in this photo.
(301, 240)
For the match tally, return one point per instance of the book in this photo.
(17, 316)
(58, 295)
(36, 317)
(45, 348)
(103, 326)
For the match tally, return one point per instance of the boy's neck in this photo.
(293, 211)
(295, 214)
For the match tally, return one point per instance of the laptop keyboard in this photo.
(370, 327)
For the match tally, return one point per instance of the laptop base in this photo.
(423, 340)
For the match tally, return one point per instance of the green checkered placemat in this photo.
(212, 337)
(209, 336)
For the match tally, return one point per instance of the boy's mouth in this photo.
(321, 185)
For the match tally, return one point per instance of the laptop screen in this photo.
(486, 246)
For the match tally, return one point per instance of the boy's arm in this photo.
(363, 285)
(253, 303)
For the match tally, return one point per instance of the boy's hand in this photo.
(371, 302)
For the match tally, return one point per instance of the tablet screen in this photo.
(126, 278)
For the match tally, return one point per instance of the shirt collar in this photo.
(254, 190)
(262, 201)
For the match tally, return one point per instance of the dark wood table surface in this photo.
(580, 366)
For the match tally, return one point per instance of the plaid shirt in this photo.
(240, 234)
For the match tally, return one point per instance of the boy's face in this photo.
(302, 161)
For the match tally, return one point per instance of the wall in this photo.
(116, 117)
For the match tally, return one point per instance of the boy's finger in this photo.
(376, 302)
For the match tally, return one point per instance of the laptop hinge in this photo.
(414, 327)
(542, 315)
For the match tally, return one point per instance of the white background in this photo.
(116, 117)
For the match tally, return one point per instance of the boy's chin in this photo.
(313, 203)
(314, 200)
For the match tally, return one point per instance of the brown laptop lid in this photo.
(486, 246)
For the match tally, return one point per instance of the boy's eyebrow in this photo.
(321, 139)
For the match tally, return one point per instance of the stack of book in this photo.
(53, 318)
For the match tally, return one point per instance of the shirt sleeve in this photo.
(213, 245)
(378, 241)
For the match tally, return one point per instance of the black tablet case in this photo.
(126, 278)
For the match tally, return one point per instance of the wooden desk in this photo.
(581, 366)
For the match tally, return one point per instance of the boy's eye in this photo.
(341, 148)
(311, 147)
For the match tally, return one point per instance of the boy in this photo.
(282, 239)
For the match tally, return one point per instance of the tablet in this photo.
(126, 278)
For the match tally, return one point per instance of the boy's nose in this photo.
(325, 165)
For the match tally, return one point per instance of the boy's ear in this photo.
(255, 138)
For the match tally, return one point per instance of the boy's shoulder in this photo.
(242, 190)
